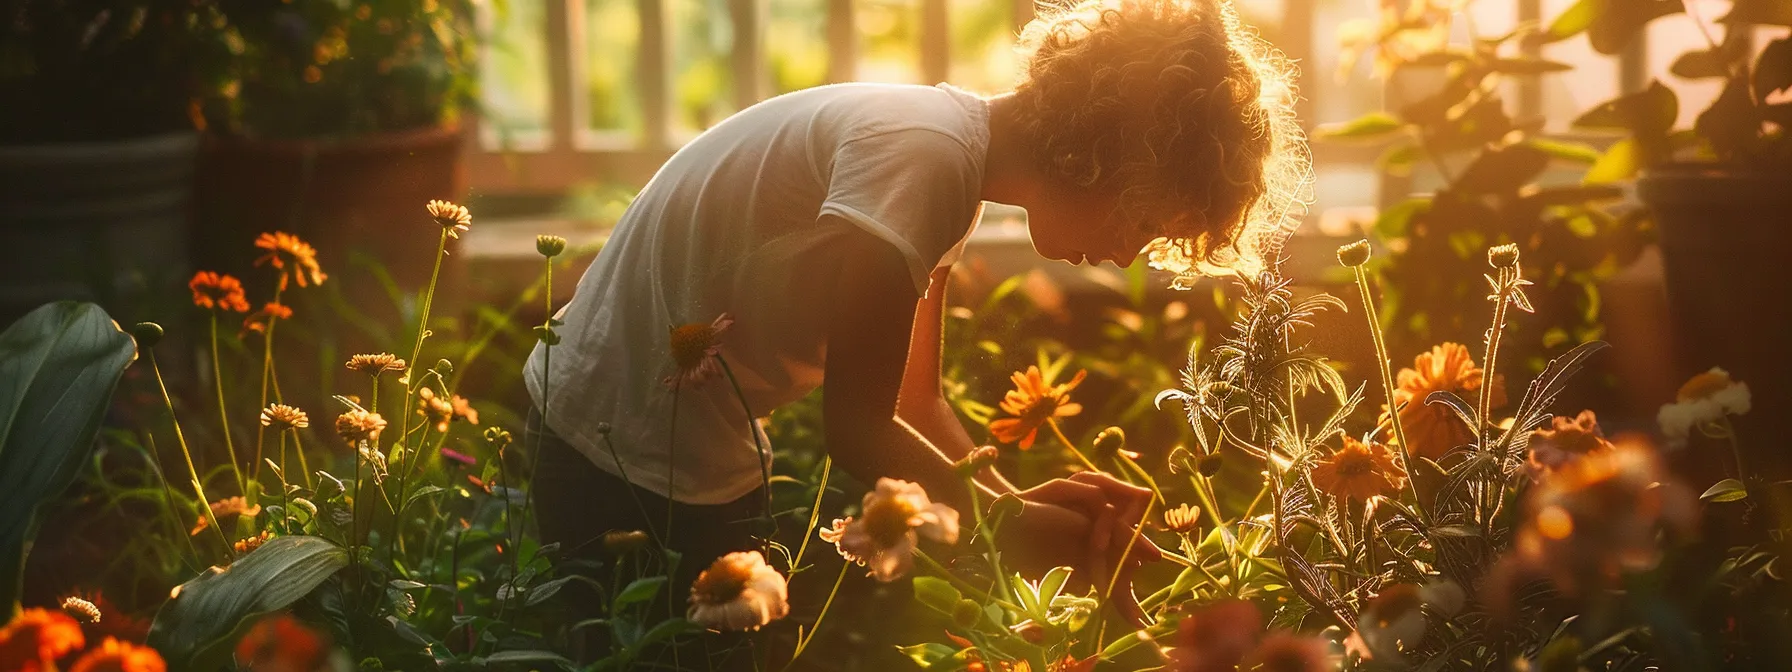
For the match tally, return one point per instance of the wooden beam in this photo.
(653, 72)
(843, 52)
(748, 58)
(936, 42)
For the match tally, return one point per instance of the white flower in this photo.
(738, 592)
(1706, 398)
(884, 538)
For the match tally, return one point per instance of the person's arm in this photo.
(922, 402)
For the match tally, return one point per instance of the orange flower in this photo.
(694, 348)
(1567, 439)
(1359, 472)
(260, 320)
(226, 507)
(1034, 401)
(1599, 516)
(295, 259)
(453, 218)
(1215, 637)
(436, 409)
(1433, 429)
(463, 409)
(217, 291)
(281, 643)
(116, 656)
(36, 638)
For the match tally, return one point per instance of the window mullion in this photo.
(655, 75)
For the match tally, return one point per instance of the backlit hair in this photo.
(1185, 112)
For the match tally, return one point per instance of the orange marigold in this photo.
(1359, 471)
(260, 320)
(1435, 429)
(435, 408)
(1034, 401)
(116, 656)
(281, 642)
(295, 259)
(218, 291)
(37, 638)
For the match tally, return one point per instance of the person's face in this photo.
(1076, 224)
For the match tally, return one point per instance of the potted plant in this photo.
(342, 118)
(1720, 192)
(97, 146)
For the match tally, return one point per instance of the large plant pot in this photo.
(101, 221)
(1727, 254)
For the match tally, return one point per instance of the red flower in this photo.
(218, 291)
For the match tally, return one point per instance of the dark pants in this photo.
(576, 503)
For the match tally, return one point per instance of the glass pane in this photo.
(982, 38)
(702, 34)
(1593, 80)
(796, 44)
(612, 92)
(889, 33)
(1671, 36)
(1338, 96)
(514, 74)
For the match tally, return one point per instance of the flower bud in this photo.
(550, 246)
(148, 334)
(1209, 465)
(1354, 254)
(977, 460)
(603, 429)
(1503, 256)
(444, 367)
(966, 614)
(1109, 442)
(619, 542)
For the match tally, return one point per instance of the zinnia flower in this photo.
(295, 259)
(1434, 429)
(695, 348)
(259, 320)
(463, 409)
(453, 218)
(1359, 471)
(81, 609)
(356, 426)
(884, 537)
(216, 291)
(1601, 515)
(281, 643)
(1284, 652)
(251, 543)
(738, 592)
(34, 639)
(1183, 519)
(1034, 401)
(228, 506)
(1705, 398)
(113, 655)
(374, 365)
(436, 409)
(1566, 439)
(280, 417)
(1215, 637)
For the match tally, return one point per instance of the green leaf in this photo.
(1649, 113)
(1459, 531)
(638, 591)
(927, 654)
(1727, 490)
(1052, 584)
(1396, 220)
(1773, 69)
(1028, 596)
(1620, 162)
(1502, 170)
(666, 629)
(529, 657)
(1702, 63)
(937, 593)
(420, 493)
(1574, 20)
(1529, 66)
(1399, 159)
(1367, 127)
(1578, 152)
(1622, 20)
(58, 367)
(196, 622)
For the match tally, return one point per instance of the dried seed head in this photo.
(1109, 442)
(1503, 256)
(1209, 465)
(620, 542)
(966, 614)
(1354, 254)
(148, 334)
(550, 246)
(80, 609)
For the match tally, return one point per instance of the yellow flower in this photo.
(357, 426)
(694, 350)
(228, 506)
(1705, 398)
(113, 655)
(1359, 472)
(217, 291)
(884, 537)
(1183, 519)
(293, 258)
(374, 365)
(453, 218)
(34, 639)
(1034, 401)
(280, 417)
(1435, 429)
(738, 592)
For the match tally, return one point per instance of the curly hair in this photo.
(1183, 111)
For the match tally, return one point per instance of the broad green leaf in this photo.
(1727, 490)
(1369, 126)
(1622, 20)
(638, 591)
(1620, 162)
(666, 629)
(935, 592)
(1052, 584)
(196, 622)
(1502, 170)
(58, 367)
(1649, 113)
(927, 654)
(1578, 152)
(1574, 20)
(529, 657)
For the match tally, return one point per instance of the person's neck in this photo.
(1010, 174)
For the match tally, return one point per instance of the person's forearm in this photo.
(936, 422)
(872, 449)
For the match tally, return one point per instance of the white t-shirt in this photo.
(732, 223)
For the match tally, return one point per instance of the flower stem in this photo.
(765, 457)
(267, 372)
(285, 503)
(223, 411)
(1072, 446)
(671, 465)
(962, 585)
(646, 519)
(205, 506)
(827, 469)
(547, 360)
(155, 464)
(1387, 386)
(803, 642)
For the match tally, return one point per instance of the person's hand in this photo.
(1111, 547)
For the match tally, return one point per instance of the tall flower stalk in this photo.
(1508, 290)
(1354, 256)
(549, 247)
(186, 452)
